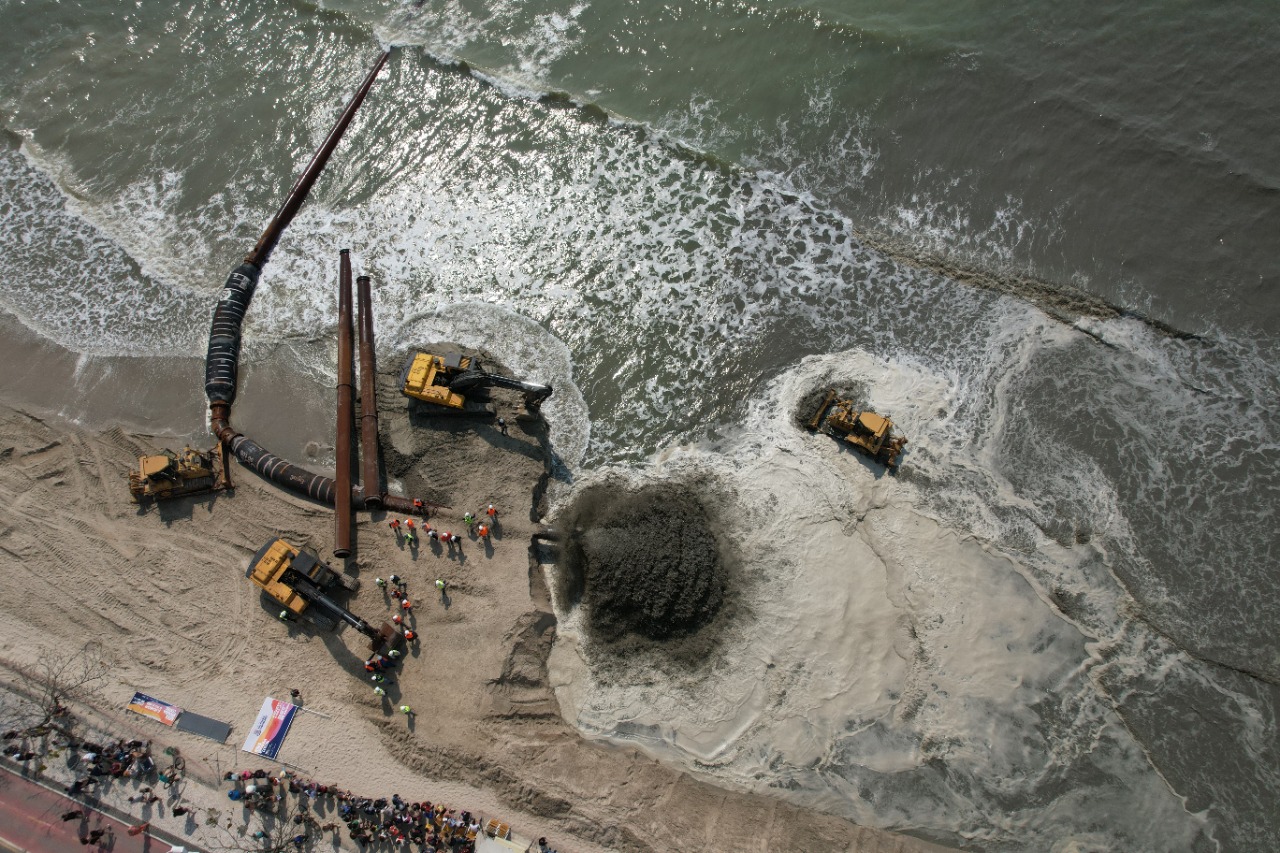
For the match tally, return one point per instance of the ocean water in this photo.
(1041, 236)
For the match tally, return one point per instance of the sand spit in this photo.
(163, 591)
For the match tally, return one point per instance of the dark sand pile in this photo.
(649, 567)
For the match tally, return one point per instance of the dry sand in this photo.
(164, 592)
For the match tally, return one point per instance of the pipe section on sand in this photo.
(368, 396)
(346, 413)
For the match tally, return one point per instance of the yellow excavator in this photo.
(866, 431)
(173, 475)
(301, 583)
(445, 381)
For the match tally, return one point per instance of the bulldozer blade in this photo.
(816, 420)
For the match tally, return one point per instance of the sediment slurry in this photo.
(644, 561)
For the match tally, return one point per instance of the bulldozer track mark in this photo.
(53, 445)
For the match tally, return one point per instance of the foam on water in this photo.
(886, 665)
(69, 282)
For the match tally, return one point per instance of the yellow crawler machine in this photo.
(866, 431)
(301, 583)
(296, 578)
(172, 475)
(445, 381)
(426, 377)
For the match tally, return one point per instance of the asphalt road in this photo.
(31, 822)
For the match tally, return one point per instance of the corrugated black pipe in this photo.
(223, 356)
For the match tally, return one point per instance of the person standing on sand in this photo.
(468, 519)
(394, 524)
(482, 531)
(440, 585)
(406, 710)
(378, 691)
(295, 694)
(502, 425)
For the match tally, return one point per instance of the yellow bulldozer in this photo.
(173, 475)
(868, 432)
(448, 382)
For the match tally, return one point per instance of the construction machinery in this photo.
(866, 431)
(301, 583)
(444, 382)
(172, 475)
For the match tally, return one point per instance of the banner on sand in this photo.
(143, 704)
(267, 734)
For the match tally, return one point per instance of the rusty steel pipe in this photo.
(346, 413)
(368, 397)
(297, 195)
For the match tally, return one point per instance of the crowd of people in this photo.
(371, 822)
(92, 762)
(96, 766)
(374, 823)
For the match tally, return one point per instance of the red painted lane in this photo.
(31, 820)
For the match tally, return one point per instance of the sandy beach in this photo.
(163, 592)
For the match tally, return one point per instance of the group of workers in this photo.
(407, 530)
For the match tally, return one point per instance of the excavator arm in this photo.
(467, 380)
(316, 597)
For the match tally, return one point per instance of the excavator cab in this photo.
(303, 585)
(426, 377)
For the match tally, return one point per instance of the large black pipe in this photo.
(346, 412)
(368, 396)
(223, 356)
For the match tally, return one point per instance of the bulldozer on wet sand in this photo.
(172, 475)
(300, 582)
(443, 382)
(866, 431)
